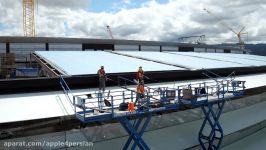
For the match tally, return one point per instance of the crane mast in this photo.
(28, 18)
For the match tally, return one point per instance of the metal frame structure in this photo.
(90, 108)
(199, 40)
(28, 18)
(216, 132)
(135, 131)
(51, 70)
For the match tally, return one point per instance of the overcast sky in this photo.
(164, 20)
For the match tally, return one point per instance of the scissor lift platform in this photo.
(103, 106)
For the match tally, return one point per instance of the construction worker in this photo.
(140, 92)
(102, 78)
(140, 75)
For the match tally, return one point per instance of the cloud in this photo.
(151, 20)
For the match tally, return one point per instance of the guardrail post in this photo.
(218, 92)
(223, 91)
(74, 103)
(100, 100)
(131, 96)
(112, 101)
(207, 92)
(123, 94)
(148, 102)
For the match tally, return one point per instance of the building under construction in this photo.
(196, 95)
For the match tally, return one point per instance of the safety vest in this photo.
(101, 73)
(140, 89)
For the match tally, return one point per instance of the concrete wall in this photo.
(127, 47)
(200, 50)
(65, 47)
(169, 48)
(150, 48)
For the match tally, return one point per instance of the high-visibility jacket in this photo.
(101, 73)
(140, 74)
(140, 89)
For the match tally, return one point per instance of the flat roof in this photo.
(30, 106)
(88, 62)
(201, 60)
(241, 59)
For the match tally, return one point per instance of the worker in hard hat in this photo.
(140, 93)
(140, 75)
(102, 78)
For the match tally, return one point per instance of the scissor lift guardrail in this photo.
(103, 106)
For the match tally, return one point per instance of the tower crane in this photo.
(28, 18)
(238, 34)
(109, 31)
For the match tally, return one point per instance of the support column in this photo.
(7, 47)
(47, 46)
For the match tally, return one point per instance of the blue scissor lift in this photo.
(210, 96)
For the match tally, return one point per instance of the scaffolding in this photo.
(8, 66)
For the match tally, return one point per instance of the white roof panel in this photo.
(246, 56)
(88, 62)
(182, 60)
(244, 59)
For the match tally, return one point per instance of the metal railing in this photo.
(107, 105)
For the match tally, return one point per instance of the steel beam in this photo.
(47, 67)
